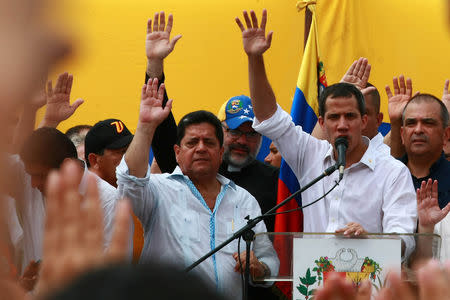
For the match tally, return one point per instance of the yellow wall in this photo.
(208, 65)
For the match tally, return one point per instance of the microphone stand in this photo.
(249, 235)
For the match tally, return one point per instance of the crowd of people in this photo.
(86, 214)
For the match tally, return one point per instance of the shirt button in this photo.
(333, 220)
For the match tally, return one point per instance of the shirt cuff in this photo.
(123, 174)
(275, 126)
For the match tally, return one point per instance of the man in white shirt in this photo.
(191, 211)
(44, 150)
(376, 193)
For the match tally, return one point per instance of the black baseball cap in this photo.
(106, 134)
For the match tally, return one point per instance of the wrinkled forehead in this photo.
(423, 110)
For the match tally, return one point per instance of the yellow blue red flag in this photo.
(304, 112)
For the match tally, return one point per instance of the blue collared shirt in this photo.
(179, 227)
(439, 171)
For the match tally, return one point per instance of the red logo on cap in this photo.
(119, 126)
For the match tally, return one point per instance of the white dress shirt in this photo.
(179, 227)
(376, 192)
(379, 145)
(31, 210)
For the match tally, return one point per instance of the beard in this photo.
(238, 161)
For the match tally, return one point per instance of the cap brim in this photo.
(120, 143)
(234, 123)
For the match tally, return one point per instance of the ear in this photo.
(380, 119)
(176, 148)
(92, 157)
(321, 121)
(446, 135)
(364, 121)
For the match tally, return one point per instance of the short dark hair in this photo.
(143, 281)
(49, 147)
(428, 98)
(197, 117)
(375, 97)
(341, 89)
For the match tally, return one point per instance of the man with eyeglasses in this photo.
(241, 144)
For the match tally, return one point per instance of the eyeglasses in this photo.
(249, 135)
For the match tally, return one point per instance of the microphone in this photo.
(341, 145)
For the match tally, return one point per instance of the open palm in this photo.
(428, 209)
(158, 43)
(254, 37)
(398, 101)
(151, 110)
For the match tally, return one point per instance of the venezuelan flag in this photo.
(304, 112)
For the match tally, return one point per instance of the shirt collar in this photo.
(177, 173)
(434, 167)
(368, 158)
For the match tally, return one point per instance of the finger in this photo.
(446, 210)
(351, 70)
(358, 67)
(175, 40)
(269, 38)
(396, 87)
(446, 87)
(239, 23)
(366, 75)
(428, 188)
(168, 106)
(64, 80)
(121, 233)
(144, 88)
(434, 190)
(76, 104)
(161, 92)
(368, 90)
(49, 88)
(388, 91)
(247, 20)
(169, 24)
(148, 89)
(264, 19)
(149, 26)
(68, 88)
(162, 21)
(254, 19)
(155, 22)
(362, 68)
(92, 217)
(154, 88)
(401, 80)
(398, 288)
(422, 192)
(409, 88)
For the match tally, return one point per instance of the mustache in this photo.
(419, 137)
(239, 146)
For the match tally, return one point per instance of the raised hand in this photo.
(358, 75)
(158, 43)
(428, 209)
(398, 101)
(73, 237)
(58, 101)
(254, 37)
(151, 110)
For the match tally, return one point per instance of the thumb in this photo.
(174, 40)
(76, 104)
